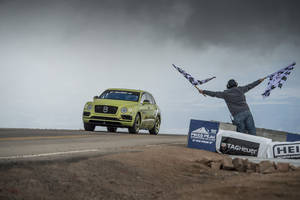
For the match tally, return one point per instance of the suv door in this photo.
(153, 110)
(145, 110)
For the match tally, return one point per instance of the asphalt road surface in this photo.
(41, 144)
(18, 144)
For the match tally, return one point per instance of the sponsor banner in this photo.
(235, 143)
(234, 146)
(292, 137)
(285, 150)
(202, 135)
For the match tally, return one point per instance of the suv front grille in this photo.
(105, 118)
(106, 109)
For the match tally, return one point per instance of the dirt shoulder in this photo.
(148, 172)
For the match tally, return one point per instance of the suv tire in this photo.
(136, 126)
(111, 129)
(155, 129)
(89, 127)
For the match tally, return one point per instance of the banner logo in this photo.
(291, 151)
(234, 146)
(203, 135)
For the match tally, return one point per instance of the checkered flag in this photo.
(277, 79)
(192, 80)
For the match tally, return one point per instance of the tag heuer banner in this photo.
(234, 143)
(202, 135)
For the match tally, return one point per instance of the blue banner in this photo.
(203, 134)
(292, 137)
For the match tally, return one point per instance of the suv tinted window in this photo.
(151, 99)
(143, 98)
(148, 98)
(120, 95)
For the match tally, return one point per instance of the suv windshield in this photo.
(120, 95)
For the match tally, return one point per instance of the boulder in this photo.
(293, 168)
(204, 161)
(239, 164)
(227, 163)
(282, 167)
(252, 167)
(265, 167)
(215, 165)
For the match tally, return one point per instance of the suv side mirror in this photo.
(146, 102)
(96, 97)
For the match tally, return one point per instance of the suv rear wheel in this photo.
(89, 127)
(155, 129)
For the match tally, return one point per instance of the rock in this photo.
(266, 167)
(292, 168)
(270, 170)
(282, 167)
(245, 162)
(215, 165)
(200, 166)
(251, 167)
(227, 163)
(239, 164)
(204, 161)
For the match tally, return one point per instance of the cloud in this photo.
(258, 24)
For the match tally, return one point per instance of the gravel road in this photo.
(61, 164)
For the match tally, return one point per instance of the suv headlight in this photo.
(124, 110)
(89, 107)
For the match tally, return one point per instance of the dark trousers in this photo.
(244, 123)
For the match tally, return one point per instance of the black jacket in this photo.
(234, 97)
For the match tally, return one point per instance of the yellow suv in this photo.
(122, 108)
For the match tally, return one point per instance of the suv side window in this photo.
(143, 98)
(152, 99)
(148, 98)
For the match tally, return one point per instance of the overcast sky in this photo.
(56, 55)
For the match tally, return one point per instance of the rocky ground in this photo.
(149, 172)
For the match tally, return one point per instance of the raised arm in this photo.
(248, 87)
(212, 94)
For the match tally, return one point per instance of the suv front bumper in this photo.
(124, 121)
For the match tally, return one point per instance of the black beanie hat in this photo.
(231, 83)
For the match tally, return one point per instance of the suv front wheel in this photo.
(89, 127)
(111, 129)
(136, 125)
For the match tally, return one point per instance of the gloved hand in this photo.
(262, 79)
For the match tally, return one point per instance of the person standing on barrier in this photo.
(236, 102)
